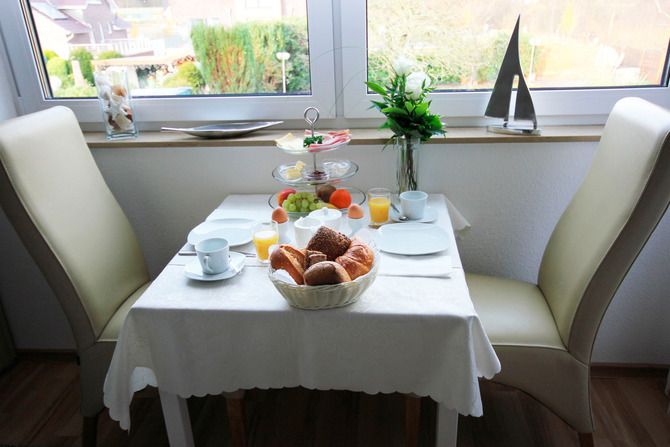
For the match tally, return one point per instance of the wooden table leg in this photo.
(177, 422)
(235, 407)
(447, 427)
(412, 419)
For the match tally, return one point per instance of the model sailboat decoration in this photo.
(501, 96)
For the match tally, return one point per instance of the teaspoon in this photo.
(400, 215)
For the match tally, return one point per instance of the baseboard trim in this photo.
(47, 355)
(628, 370)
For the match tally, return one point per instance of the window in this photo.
(579, 57)
(186, 60)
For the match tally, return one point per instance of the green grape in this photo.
(292, 208)
(305, 203)
(291, 197)
(319, 205)
(311, 198)
(312, 206)
(285, 204)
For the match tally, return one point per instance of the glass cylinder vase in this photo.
(407, 166)
(115, 104)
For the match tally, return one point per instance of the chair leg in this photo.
(586, 440)
(90, 431)
(235, 407)
(412, 419)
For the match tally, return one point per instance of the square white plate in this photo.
(412, 238)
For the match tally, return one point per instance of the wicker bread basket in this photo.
(325, 297)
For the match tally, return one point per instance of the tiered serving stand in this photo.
(317, 175)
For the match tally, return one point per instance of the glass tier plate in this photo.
(330, 180)
(357, 196)
(223, 130)
(330, 147)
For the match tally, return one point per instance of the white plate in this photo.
(193, 269)
(235, 231)
(412, 238)
(429, 215)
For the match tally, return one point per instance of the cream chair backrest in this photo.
(619, 203)
(56, 198)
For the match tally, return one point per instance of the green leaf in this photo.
(378, 105)
(394, 110)
(421, 109)
(376, 88)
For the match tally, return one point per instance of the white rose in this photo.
(414, 85)
(402, 66)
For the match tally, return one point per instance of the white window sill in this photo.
(360, 137)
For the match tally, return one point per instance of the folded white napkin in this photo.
(435, 265)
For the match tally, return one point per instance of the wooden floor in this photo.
(39, 407)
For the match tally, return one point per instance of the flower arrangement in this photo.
(406, 109)
(404, 103)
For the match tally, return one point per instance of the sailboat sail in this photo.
(499, 103)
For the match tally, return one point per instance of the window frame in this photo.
(338, 64)
(152, 112)
(588, 106)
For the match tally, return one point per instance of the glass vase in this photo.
(115, 104)
(407, 166)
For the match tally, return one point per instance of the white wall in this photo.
(512, 194)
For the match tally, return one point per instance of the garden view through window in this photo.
(563, 43)
(250, 48)
(175, 47)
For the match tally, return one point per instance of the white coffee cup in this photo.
(213, 255)
(413, 204)
(304, 228)
(331, 218)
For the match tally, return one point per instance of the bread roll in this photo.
(358, 258)
(312, 257)
(291, 259)
(326, 272)
(329, 242)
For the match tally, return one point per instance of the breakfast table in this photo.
(414, 330)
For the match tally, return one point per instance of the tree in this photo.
(242, 58)
(84, 57)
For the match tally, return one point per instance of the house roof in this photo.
(69, 3)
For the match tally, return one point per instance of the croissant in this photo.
(358, 258)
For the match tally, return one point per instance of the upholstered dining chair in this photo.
(78, 235)
(544, 333)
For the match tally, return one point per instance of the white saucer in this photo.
(429, 215)
(235, 231)
(193, 269)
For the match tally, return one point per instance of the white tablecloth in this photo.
(405, 334)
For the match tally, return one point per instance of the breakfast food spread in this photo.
(330, 258)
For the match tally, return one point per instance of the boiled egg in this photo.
(279, 215)
(355, 211)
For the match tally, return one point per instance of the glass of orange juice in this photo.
(265, 234)
(379, 200)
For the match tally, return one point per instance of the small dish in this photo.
(429, 215)
(336, 168)
(412, 238)
(193, 269)
(235, 231)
